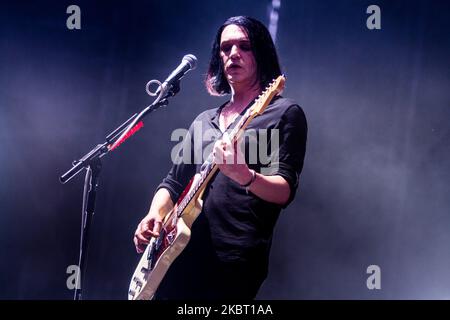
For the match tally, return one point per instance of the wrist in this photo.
(155, 214)
(250, 179)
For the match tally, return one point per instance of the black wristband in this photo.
(251, 180)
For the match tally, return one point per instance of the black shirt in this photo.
(240, 225)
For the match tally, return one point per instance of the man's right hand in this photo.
(148, 227)
(151, 224)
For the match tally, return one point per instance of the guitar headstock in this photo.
(275, 87)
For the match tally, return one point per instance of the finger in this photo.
(156, 228)
(224, 145)
(144, 225)
(218, 155)
(139, 247)
(147, 233)
(228, 157)
(146, 228)
(238, 144)
(229, 149)
(218, 145)
(226, 138)
(141, 239)
(239, 155)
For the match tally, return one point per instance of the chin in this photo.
(235, 78)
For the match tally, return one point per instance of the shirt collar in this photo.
(215, 115)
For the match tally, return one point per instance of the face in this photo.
(237, 57)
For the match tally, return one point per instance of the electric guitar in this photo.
(176, 228)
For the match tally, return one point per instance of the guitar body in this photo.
(161, 252)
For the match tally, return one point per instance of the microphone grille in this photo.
(191, 59)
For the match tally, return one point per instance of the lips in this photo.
(234, 66)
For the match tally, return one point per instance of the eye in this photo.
(245, 46)
(225, 47)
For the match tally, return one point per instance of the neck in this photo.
(241, 97)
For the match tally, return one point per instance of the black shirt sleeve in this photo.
(288, 163)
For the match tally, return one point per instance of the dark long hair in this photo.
(263, 50)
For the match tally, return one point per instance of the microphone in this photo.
(170, 86)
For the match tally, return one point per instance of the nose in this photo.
(234, 51)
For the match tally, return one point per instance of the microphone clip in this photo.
(164, 90)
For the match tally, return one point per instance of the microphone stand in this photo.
(91, 161)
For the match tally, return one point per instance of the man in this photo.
(227, 256)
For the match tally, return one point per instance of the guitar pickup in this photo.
(138, 282)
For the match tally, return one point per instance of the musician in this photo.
(227, 256)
